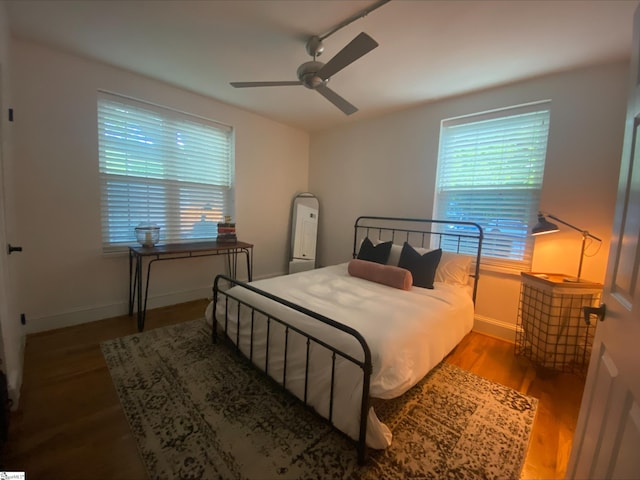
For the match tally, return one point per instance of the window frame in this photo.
(173, 189)
(518, 219)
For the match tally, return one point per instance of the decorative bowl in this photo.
(147, 235)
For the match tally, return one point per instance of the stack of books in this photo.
(227, 231)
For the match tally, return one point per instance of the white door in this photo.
(4, 299)
(607, 439)
(11, 332)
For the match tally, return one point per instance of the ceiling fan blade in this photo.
(358, 47)
(265, 84)
(337, 100)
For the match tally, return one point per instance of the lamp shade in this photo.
(544, 226)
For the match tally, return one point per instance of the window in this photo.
(162, 167)
(490, 169)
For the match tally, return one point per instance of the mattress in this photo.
(408, 333)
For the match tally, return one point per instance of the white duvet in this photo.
(408, 333)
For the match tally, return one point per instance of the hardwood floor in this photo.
(70, 425)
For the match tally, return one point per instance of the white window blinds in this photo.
(162, 167)
(490, 169)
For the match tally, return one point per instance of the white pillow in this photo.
(453, 269)
(394, 255)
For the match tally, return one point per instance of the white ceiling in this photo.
(428, 49)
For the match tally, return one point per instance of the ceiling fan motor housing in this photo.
(308, 74)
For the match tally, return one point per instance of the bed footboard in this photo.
(249, 327)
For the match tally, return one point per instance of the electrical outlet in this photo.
(23, 319)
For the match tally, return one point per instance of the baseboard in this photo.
(14, 377)
(94, 313)
(495, 328)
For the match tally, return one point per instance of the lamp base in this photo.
(571, 280)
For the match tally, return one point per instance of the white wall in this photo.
(63, 276)
(387, 166)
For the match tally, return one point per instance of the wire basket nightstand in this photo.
(551, 329)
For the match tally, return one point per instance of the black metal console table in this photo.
(177, 251)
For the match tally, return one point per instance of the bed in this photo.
(371, 328)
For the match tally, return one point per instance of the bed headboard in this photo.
(458, 237)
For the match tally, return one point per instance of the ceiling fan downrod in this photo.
(361, 14)
(314, 45)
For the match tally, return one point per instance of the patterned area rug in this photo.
(200, 412)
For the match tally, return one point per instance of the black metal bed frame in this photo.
(396, 229)
(468, 241)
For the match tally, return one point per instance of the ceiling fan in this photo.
(315, 75)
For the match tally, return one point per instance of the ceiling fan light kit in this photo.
(315, 75)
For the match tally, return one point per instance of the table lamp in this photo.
(545, 226)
